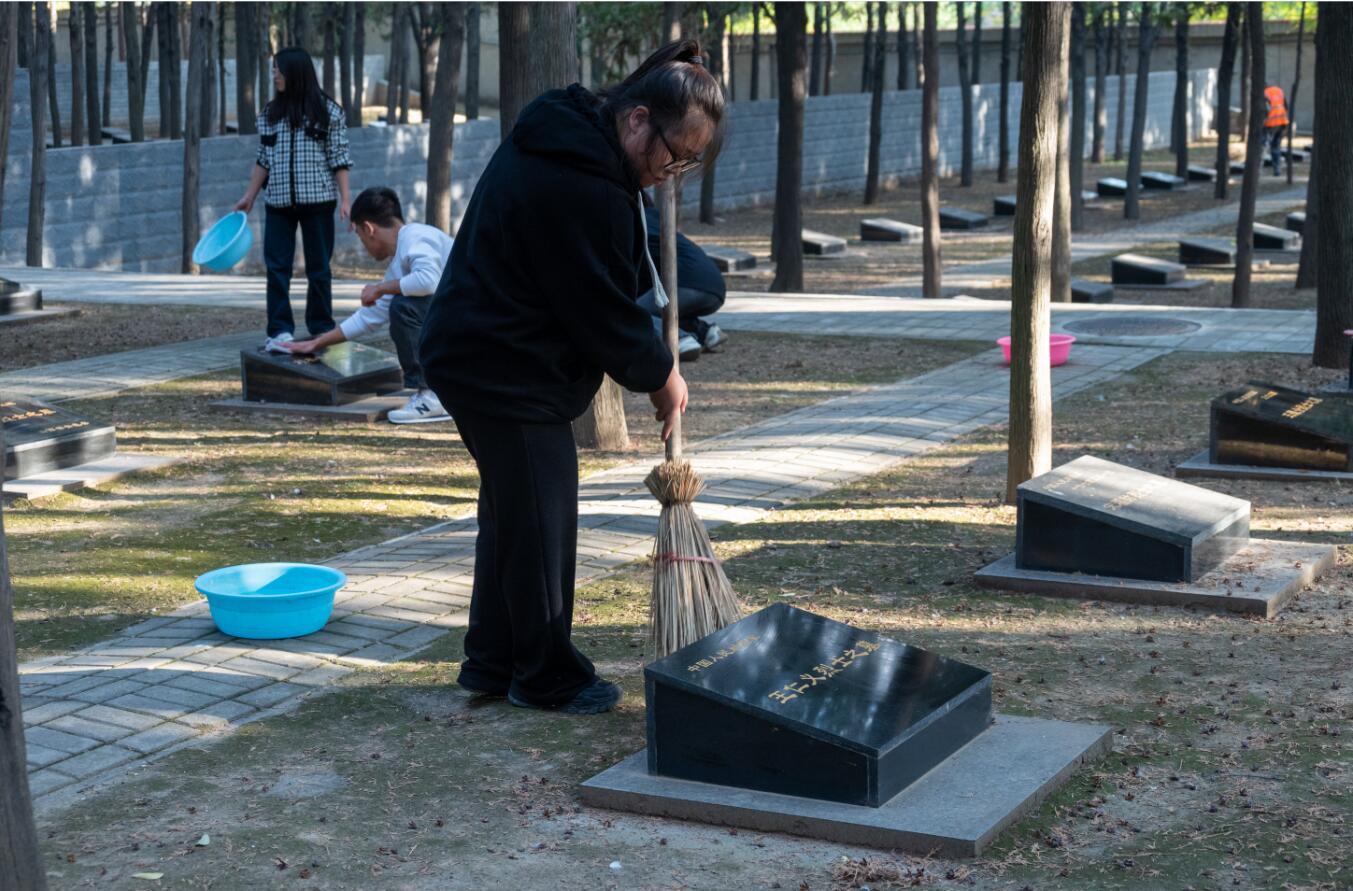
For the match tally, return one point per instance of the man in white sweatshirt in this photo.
(417, 255)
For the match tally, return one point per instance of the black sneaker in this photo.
(599, 696)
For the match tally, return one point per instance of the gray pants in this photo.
(406, 327)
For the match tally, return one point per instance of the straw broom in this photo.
(691, 595)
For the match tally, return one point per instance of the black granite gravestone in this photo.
(790, 702)
(17, 298)
(1086, 291)
(1237, 166)
(1100, 518)
(1271, 238)
(338, 375)
(1200, 174)
(1111, 187)
(729, 259)
(1155, 179)
(1136, 269)
(1003, 206)
(1296, 156)
(960, 218)
(1296, 221)
(1206, 252)
(40, 437)
(881, 229)
(819, 244)
(1264, 425)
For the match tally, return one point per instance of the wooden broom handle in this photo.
(667, 212)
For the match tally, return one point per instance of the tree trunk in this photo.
(1003, 152)
(831, 55)
(916, 53)
(792, 50)
(603, 425)
(1292, 99)
(108, 39)
(199, 87)
(300, 26)
(77, 75)
(903, 49)
(9, 59)
(219, 101)
(345, 34)
(330, 82)
(358, 67)
(89, 70)
(553, 51)
(718, 42)
(442, 133)
(38, 73)
(176, 44)
(1077, 143)
(815, 66)
(392, 65)
(1246, 67)
(1334, 123)
(428, 49)
(756, 51)
(872, 173)
(163, 33)
(1254, 161)
(1308, 266)
(965, 94)
(405, 30)
(246, 45)
(975, 70)
(1120, 69)
(1060, 289)
(54, 107)
(930, 157)
(514, 42)
(1146, 37)
(25, 29)
(1179, 119)
(1029, 450)
(1225, 73)
(21, 866)
(472, 62)
(208, 88)
(867, 60)
(264, 54)
(1102, 35)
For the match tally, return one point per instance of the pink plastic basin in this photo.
(1059, 348)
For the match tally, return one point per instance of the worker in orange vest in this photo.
(1275, 124)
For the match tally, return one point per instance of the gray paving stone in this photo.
(158, 707)
(179, 696)
(40, 755)
(121, 717)
(217, 715)
(97, 761)
(158, 737)
(49, 710)
(81, 726)
(204, 686)
(271, 670)
(58, 740)
(322, 676)
(105, 692)
(40, 782)
(267, 697)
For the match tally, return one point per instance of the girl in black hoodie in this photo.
(537, 302)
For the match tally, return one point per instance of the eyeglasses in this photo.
(677, 166)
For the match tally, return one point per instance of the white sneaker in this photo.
(274, 344)
(688, 347)
(714, 339)
(423, 407)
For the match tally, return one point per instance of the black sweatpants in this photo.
(521, 611)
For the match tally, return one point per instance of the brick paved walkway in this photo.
(173, 679)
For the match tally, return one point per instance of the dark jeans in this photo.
(279, 252)
(521, 611)
(691, 305)
(1274, 137)
(406, 327)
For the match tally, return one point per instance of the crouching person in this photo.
(417, 254)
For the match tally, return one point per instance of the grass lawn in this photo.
(271, 487)
(1232, 757)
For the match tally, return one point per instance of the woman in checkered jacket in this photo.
(302, 170)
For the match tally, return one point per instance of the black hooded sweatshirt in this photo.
(538, 299)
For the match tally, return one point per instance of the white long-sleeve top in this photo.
(421, 253)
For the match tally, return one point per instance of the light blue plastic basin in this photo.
(265, 601)
(225, 243)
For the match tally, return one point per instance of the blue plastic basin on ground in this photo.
(266, 601)
(225, 243)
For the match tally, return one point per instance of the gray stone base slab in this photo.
(363, 411)
(955, 810)
(35, 315)
(1187, 284)
(1200, 466)
(83, 476)
(1257, 580)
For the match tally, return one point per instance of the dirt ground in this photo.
(1231, 762)
(260, 487)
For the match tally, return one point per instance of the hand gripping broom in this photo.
(691, 595)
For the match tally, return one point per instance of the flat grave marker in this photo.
(1296, 221)
(882, 229)
(789, 721)
(40, 437)
(1086, 291)
(1271, 238)
(819, 244)
(1155, 179)
(1200, 174)
(1136, 271)
(1111, 187)
(961, 218)
(343, 373)
(1206, 252)
(1003, 206)
(729, 259)
(1265, 425)
(16, 298)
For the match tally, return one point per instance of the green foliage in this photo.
(620, 33)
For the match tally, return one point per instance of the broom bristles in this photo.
(692, 596)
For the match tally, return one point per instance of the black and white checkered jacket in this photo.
(301, 167)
